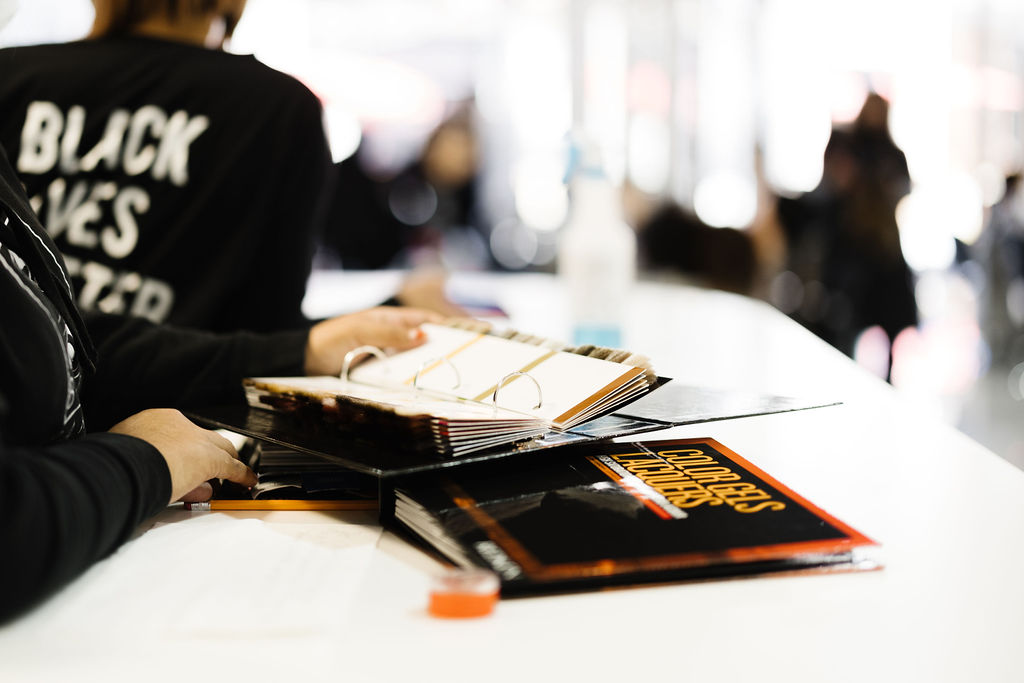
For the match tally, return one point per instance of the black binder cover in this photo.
(616, 513)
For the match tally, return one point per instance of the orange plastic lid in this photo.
(461, 593)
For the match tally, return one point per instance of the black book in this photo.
(623, 513)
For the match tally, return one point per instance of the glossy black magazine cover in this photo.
(619, 513)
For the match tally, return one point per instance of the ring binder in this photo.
(511, 376)
(359, 351)
(392, 397)
(433, 362)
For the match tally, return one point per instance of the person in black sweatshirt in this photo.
(91, 440)
(182, 183)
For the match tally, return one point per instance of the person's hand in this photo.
(425, 288)
(194, 455)
(386, 327)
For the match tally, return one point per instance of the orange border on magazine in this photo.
(536, 570)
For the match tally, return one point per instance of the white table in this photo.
(329, 596)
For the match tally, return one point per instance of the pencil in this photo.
(279, 504)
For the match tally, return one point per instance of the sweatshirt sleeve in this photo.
(65, 506)
(142, 365)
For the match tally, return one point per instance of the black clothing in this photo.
(844, 244)
(68, 498)
(401, 221)
(182, 184)
(42, 338)
(361, 231)
(675, 239)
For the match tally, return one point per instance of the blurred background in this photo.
(856, 165)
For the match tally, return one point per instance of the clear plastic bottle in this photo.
(596, 254)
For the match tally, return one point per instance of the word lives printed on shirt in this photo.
(102, 216)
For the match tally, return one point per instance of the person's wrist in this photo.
(312, 364)
(324, 347)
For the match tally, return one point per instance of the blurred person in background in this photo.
(425, 215)
(1000, 251)
(675, 240)
(361, 233)
(743, 260)
(842, 239)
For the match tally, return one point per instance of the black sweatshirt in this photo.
(69, 497)
(182, 184)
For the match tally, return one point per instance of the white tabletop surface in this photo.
(330, 596)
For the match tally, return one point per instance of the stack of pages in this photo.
(462, 391)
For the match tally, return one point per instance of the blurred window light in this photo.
(965, 204)
(940, 359)
(725, 193)
(930, 294)
(794, 150)
(346, 64)
(920, 117)
(395, 25)
(987, 87)
(649, 144)
(605, 54)
(725, 200)
(47, 21)
(538, 91)
(514, 245)
(381, 91)
(847, 92)
(926, 245)
(909, 367)
(277, 33)
(794, 91)
(871, 351)
(648, 88)
(343, 132)
(541, 198)
(991, 182)
(948, 303)
(936, 213)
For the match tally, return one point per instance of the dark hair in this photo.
(116, 17)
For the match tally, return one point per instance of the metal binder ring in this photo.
(512, 375)
(432, 361)
(359, 351)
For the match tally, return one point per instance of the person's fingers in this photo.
(200, 493)
(418, 316)
(403, 315)
(429, 296)
(235, 471)
(390, 336)
(222, 443)
(386, 327)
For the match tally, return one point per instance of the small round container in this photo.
(464, 593)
